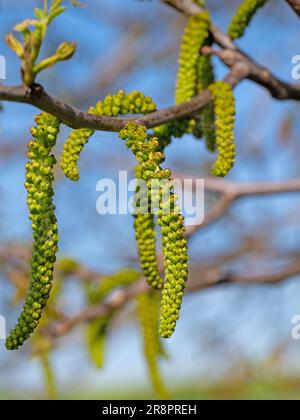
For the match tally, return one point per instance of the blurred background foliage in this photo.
(232, 341)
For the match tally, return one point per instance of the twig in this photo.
(232, 191)
(262, 76)
(295, 5)
(209, 278)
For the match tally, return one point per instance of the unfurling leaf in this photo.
(15, 45)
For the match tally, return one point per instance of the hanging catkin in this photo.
(39, 185)
(195, 34)
(148, 312)
(205, 79)
(145, 236)
(224, 109)
(243, 16)
(97, 330)
(146, 150)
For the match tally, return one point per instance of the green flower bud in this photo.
(65, 50)
(15, 45)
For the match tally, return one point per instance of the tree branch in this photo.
(209, 278)
(241, 65)
(256, 73)
(295, 5)
(232, 191)
(75, 118)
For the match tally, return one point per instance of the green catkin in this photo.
(39, 185)
(146, 150)
(174, 247)
(50, 385)
(72, 149)
(206, 78)
(96, 338)
(112, 105)
(149, 158)
(145, 236)
(200, 3)
(147, 305)
(194, 37)
(41, 346)
(97, 330)
(195, 74)
(165, 132)
(243, 17)
(224, 109)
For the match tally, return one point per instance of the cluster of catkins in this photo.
(215, 123)
(149, 154)
(195, 74)
(113, 105)
(146, 151)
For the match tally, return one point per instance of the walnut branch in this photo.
(210, 277)
(232, 191)
(75, 118)
(295, 5)
(241, 66)
(260, 75)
